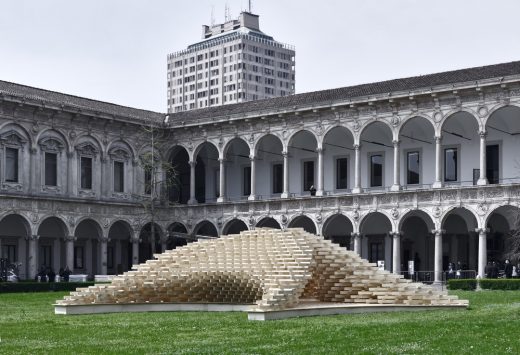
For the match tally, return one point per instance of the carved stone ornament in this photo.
(51, 145)
(285, 220)
(437, 211)
(437, 116)
(12, 138)
(35, 127)
(220, 141)
(482, 111)
(319, 218)
(190, 146)
(119, 154)
(71, 221)
(395, 213)
(355, 215)
(219, 221)
(252, 221)
(72, 134)
(252, 138)
(356, 125)
(105, 222)
(319, 129)
(34, 217)
(87, 149)
(395, 120)
(482, 208)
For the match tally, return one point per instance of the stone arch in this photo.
(236, 155)
(459, 112)
(20, 130)
(500, 222)
(300, 131)
(203, 144)
(58, 221)
(177, 233)
(268, 222)
(205, 228)
(376, 245)
(305, 222)
(418, 213)
(150, 244)
(120, 235)
(56, 134)
(232, 141)
(376, 144)
(415, 227)
(338, 228)
(268, 152)
(51, 250)
(459, 239)
(340, 127)
(234, 226)
(302, 148)
(370, 122)
(265, 136)
(339, 157)
(367, 216)
(14, 229)
(469, 216)
(86, 139)
(206, 155)
(179, 158)
(119, 144)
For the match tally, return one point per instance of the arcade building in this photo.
(423, 168)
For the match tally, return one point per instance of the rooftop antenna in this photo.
(250, 7)
(226, 13)
(212, 15)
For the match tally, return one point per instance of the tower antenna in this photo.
(250, 7)
(212, 15)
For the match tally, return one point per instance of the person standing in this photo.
(508, 269)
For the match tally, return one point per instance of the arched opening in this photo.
(177, 234)
(376, 154)
(460, 130)
(501, 223)
(417, 146)
(268, 222)
(417, 243)
(238, 169)
(269, 166)
(338, 228)
(503, 134)
(235, 226)
(87, 248)
(338, 157)
(149, 244)
(51, 251)
(206, 229)
(303, 163)
(303, 222)
(459, 245)
(179, 192)
(376, 245)
(119, 235)
(207, 174)
(13, 231)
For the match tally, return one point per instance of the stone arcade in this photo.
(422, 168)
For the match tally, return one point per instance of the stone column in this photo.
(482, 250)
(135, 250)
(357, 170)
(438, 163)
(252, 195)
(103, 241)
(69, 251)
(285, 193)
(319, 190)
(483, 174)
(192, 199)
(437, 261)
(222, 195)
(164, 243)
(397, 167)
(33, 256)
(396, 253)
(357, 242)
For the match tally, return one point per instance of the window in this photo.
(277, 178)
(308, 175)
(11, 165)
(341, 173)
(376, 170)
(147, 181)
(246, 180)
(46, 255)
(492, 163)
(51, 166)
(119, 176)
(86, 173)
(412, 168)
(9, 253)
(450, 164)
(79, 253)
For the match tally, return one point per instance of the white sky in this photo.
(115, 50)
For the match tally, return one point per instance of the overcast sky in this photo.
(115, 50)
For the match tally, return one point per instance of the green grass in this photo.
(491, 326)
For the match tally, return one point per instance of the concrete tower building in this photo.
(235, 62)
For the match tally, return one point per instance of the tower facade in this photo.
(235, 62)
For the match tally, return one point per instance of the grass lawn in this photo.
(491, 326)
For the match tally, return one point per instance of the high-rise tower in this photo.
(234, 62)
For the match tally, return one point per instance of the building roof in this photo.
(350, 92)
(51, 98)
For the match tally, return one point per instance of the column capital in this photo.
(396, 142)
(135, 239)
(103, 239)
(221, 160)
(357, 146)
(192, 163)
(481, 231)
(285, 153)
(319, 150)
(438, 232)
(252, 157)
(395, 234)
(355, 234)
(32, 237)
(69, 238)
(437, 139)
(482, 134)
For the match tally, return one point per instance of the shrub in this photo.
(500, 284)
(9, 287)
(462, 284)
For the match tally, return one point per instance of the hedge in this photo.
(462, 284)
(10, 287)
(500, 284)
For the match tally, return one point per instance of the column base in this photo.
(221, 199)
(482, 182)
(284, 195)
(192, 202)
(320, 193)
(437, 185)
(251, 198)
(357, 190)
(395, 188)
